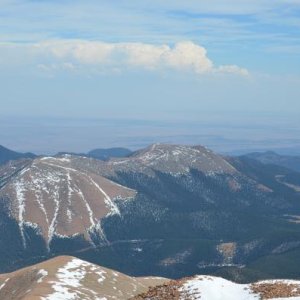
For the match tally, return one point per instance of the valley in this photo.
(167, 210)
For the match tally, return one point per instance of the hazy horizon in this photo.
(77, 75)
(221, 133)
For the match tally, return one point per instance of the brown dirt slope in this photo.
(67, 277)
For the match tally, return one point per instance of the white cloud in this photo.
(183, 56)
(238, 27)
(189, 55)
(233, 69)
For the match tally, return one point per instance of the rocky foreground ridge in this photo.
(214, 288)
(70, 278)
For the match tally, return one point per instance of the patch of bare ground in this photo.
(165, 291)
(278, 289)
(168, 291)
(19, 286)
(227, 250)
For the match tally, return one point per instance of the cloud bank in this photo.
(249, 30)
(183, 56)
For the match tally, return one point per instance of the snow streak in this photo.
(20, 189)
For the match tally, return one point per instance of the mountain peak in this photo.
(181, 159)
(59, 199)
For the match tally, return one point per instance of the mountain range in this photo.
(272, 158)
(167, 210)
(102, 154)
(7, 155)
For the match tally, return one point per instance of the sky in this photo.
(189, 65)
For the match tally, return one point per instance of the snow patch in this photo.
(112, 206)
(20, 189)
(53, 223)
(68, 281)
(43, 273)
(213, 288)
(101, 273)
(3, 284)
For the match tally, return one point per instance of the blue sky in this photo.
(153, 60)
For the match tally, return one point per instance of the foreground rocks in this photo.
(211, 288)
(276, 289)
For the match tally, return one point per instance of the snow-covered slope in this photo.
(56, 199)
(69, 278)
(214, 288)
(176, 159)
